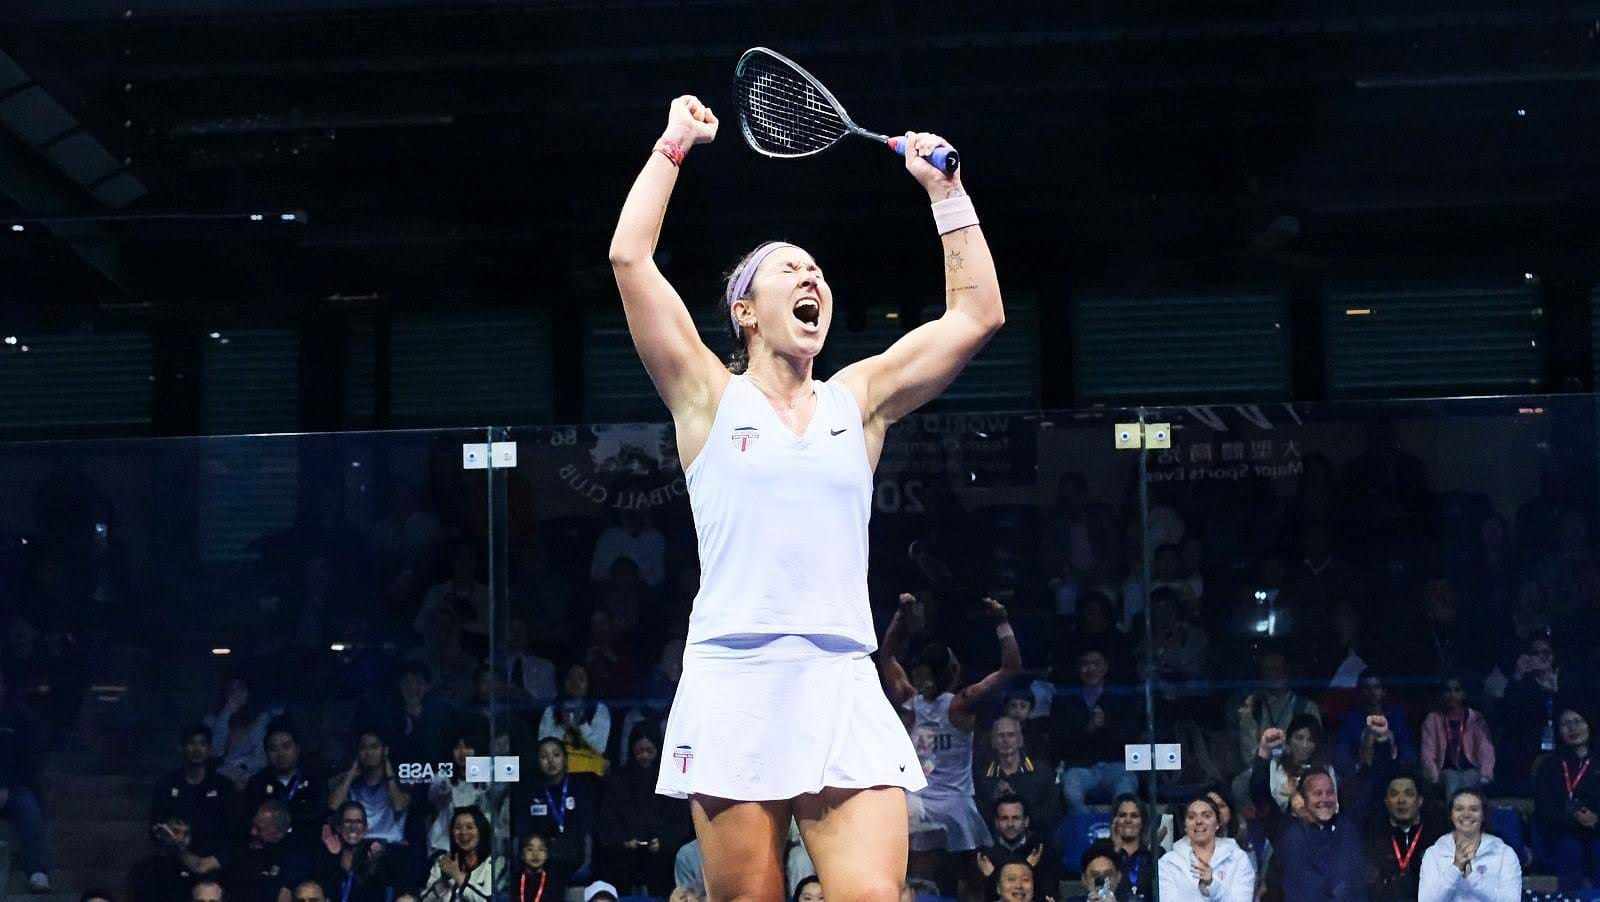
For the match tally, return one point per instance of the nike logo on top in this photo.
(836, 431)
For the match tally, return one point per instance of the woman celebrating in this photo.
(1128, 838)
(779, 712)
(1468, 863)
(469, 872)
(1566, 795)
(1203, 865)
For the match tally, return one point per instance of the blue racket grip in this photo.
(944, 158)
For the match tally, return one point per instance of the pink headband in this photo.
(739, 282)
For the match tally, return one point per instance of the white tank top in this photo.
(782, 520)
(946, 752)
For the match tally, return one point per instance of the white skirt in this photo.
(766, 718)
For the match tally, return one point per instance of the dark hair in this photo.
(192, 730)
(938, 657)
(485, 831)
(1100, 848)
(339, 815)
(588, 705)
(1116, 803)
(994, 880)
(1009, 798)
(1205, 800)
(1309, 771)
(804, 882)
(1306, 722)
(280, 724)
(1405, 774)
(1483, 802)
(372, 731)
(642, 730)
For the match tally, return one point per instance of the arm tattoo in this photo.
(953, 262)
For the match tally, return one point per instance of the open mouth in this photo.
(809, 312)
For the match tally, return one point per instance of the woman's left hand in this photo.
(938, 185)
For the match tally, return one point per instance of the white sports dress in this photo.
(951, 820)
(779, 695)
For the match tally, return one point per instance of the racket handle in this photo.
(944, 158)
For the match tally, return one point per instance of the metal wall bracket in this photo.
(477, 456)
(1149, 436)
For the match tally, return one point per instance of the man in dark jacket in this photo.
(196, 794)
(288, 780)
(1319, 848)
(1396, 838)
(19, 787)
(1093, 722)
(1014, 840)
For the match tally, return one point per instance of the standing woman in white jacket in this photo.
(1467, 863)
(1205, 867)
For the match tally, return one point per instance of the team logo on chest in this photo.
(744, 437)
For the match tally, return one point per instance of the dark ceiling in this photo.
(449, 151)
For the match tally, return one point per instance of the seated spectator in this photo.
(1101, 876)
(1130, 843)
(1011, 771)
(21, 738)
(1457, 752)
(173, 868)
(449, 794)
(1567, 805)
(633, 539)
(561, 806)
(1205, 867)
(1013, 882)
(1020, 706)
(1355, 745)
(1397, 839)
(196, 794)
(608, 657)
(528, 678)
(532, 880)
(639, 831)
(470, 870)
(582, 723)
(1096, 628)
(1013, 839)
(412, 717)
(445, 652)
(600, 891)
(239, 730)
(352, 866)
(285, 779)
(309, 891)
(657, 694)
(269, 862)
(1180, 648)
(1529, 712)
(1282, 757)
(206, 891)
(1092, 723)
(1274, 704)
(370, 781)
(462, 595)
(1317, 850)
(809, 890)
(1468, 864)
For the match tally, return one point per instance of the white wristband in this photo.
(1004, 631)
(954, 213)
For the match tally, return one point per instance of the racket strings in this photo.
(785, 114)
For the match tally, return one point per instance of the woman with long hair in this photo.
(1457, 752)
(470, 871)
(779, 713)
(581, 721)
(1467, 863)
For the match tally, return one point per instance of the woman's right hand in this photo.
(691, 122)
(1271, 738)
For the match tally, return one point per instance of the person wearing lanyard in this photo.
(1567, 804)
(1397, 838)
(560, 806)
(1128, 835)
(533, 880)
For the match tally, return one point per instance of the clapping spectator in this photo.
(452, 793)
(580, 722)
(352, 866)
(1468, 864)
(470, 870)
(1205, 867)
(1130, 843)
(1014, 840)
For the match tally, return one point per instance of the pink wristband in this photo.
(672, 150)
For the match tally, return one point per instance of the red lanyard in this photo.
(1404, 861)
(522, 887)
(1571, 781)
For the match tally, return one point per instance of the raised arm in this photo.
(963, 712)
(684, 370)
(918, 367)
(895, 682)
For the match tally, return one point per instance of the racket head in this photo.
(783, 110)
